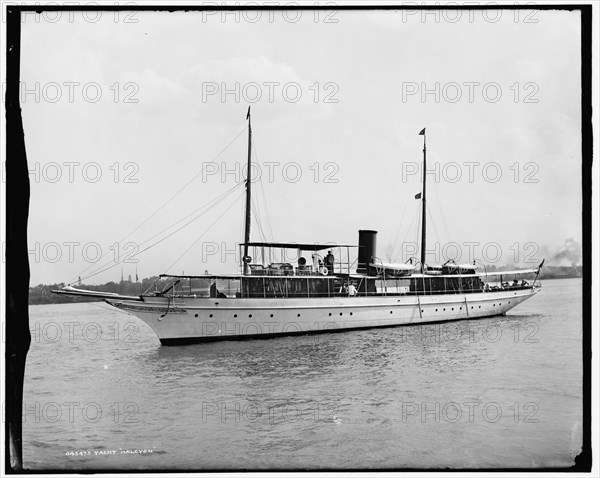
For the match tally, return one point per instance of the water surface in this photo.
(102, 393)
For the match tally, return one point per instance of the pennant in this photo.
(422, 131)
(418, 196)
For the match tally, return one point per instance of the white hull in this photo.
(188, 319)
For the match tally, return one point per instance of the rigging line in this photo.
(172, 197)
(440, 205)
(266, 204)
(255, 212)
(258, 222)
(242, 224)
(256, 203)
(264, 197)
(410, 226)
(256, 209)
(110, 266)
(432, 222)
(442, 213)
(208, 206)
(419, 216)
(105, 267)
(206, 231)
(255, 181)
(410, 191)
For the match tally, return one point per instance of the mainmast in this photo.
(245, 259)
(424, 205)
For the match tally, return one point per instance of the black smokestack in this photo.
(367, 250)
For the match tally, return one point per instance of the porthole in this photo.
(350, 313)
(195, 315)
(298, 315)
(341, 314)
(234, 315)
(271, 315)
(210, 315)
(329, 314)
(444, 309)
(471, 307)
(452, 308)
(480, 307)
(436, 310)
(422, 310)
(391, 311)
(250, 315)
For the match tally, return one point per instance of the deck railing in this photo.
(298, 286)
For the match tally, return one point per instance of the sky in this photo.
(135, 120)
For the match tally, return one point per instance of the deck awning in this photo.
(297, 245)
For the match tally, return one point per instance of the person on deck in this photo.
(329, 261)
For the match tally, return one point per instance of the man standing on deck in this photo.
(329, 261)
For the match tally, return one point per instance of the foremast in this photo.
(424, 205)
(245, 258)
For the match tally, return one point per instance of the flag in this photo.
(422, 131)
(248, 115)
(418, 196)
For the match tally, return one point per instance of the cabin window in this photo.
(392, 286)
(229, 287)
(200, 287)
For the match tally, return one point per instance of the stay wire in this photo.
(205, 231)
(208, 206)
(410, 192)
(244, 129)
(264, 199)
